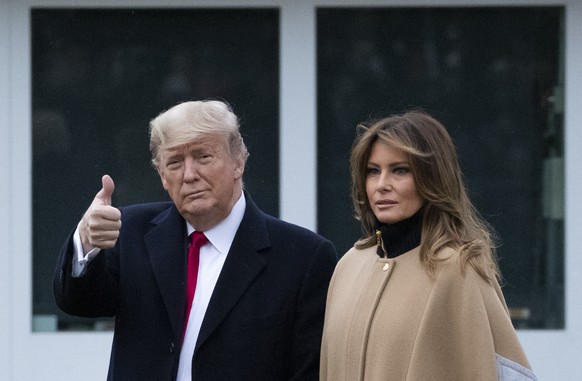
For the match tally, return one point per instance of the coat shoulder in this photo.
(148, 212)
(283, 231)
(145, 209)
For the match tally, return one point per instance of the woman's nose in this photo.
(384, 183)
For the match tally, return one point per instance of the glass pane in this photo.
(99, 77)
(493, 76)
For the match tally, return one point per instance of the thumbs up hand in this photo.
(100, 225)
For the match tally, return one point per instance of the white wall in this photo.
(555, 355)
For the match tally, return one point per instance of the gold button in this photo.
(386, 267)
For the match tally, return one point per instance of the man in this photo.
(259, 299)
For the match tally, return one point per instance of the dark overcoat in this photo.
(264, 320)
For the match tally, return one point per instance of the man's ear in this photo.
(239, 168)
(163, 178)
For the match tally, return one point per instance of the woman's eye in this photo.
(372, 171)
(401, 170)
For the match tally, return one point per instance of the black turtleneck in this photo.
(400, 237)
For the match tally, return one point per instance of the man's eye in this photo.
(173, 164)
(205, 158)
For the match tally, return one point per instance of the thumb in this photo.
(105, 193)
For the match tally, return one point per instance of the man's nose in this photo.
(190, 169)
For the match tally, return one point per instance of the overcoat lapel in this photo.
(166, 244)
(243, 264)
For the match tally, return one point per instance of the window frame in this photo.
(27, 355)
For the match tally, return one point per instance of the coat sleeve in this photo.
(464, 326)
(91, 295)
(324, 358)
(308, 327)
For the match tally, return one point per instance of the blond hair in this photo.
(189, 120)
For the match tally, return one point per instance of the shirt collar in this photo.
(222, 235)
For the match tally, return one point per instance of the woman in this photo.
(418, 297)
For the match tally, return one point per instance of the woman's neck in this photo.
(399, 238)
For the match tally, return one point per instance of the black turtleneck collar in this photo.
(400, 237)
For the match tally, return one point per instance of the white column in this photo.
(298, 130)
(5, 209)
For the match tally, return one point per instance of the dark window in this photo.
(99, 77)
(494, 77)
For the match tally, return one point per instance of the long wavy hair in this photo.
(450, 219)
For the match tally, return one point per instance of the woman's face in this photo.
(390, 185)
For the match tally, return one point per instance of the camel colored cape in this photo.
(388, 319)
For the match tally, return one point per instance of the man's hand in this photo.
(101, 223)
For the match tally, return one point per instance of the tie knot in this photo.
(198, 239)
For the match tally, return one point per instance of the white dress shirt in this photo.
(212, 258)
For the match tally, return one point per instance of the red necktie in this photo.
(198, 240)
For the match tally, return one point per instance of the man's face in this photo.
(202, 179)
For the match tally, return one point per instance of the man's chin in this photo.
(196, 207)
